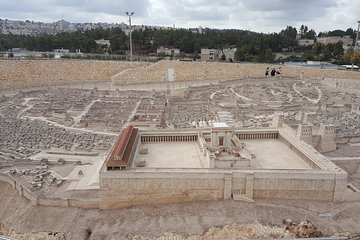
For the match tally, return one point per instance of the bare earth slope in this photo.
(17, 74)
(23, 74)
(198, 71)
(187, 219)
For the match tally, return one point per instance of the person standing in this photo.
(279, 72)
(267, 72)
(273, 72)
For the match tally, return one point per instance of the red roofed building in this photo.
(121, 155)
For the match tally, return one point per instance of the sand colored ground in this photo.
(17, 74)
(193, 71)
(187, 219)
(23, 74)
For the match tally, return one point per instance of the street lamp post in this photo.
(357, 36)
(130, 15)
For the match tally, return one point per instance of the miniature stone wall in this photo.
(37, 200)
(128, 189)
(292, 185)
(345, 140)
(151, 187)
(123, 190)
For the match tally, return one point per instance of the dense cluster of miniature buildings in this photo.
(24, 136)
(184, 141)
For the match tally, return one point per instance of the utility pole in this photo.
(130, 15)
(357, 37)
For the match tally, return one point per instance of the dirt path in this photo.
(83, 113)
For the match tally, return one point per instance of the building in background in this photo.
(306, 42)
(346, 40)
(174, 52)
(210, 54)
(216, 54)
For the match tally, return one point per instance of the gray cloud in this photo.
(118, 7)
(286, 5)
(261, 15)
(72, 7)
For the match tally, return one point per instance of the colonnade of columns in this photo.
(258, 136)
(168, 138)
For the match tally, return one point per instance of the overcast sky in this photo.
(256, 15)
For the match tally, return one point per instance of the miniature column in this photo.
(249, 187)
(227, 186)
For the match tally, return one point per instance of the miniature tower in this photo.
(304, 132)
(309, 117)
(300, 116)
(327, 138)
(278, 119)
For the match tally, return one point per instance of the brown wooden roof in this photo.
(119, 157)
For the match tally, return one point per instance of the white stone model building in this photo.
(222, 162)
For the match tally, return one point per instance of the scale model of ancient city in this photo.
(119, 134)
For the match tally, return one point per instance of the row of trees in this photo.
(251, 46)
(257, 46)
(321, 52)
(75, 40)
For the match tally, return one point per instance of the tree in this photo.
(338, 50)
(289, 33)
(269, 56)
(336, 33)
(301, 31)
(118, 40)
(100, 50)
(318, 48)
(326, 53)
(351, 32)
(306, 29)
(352, 57)
(223, 57)
(310, 34)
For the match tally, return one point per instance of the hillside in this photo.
(172, 220)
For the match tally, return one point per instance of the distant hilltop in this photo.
(28, 27)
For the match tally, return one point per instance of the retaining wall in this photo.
(37, 200)
(128, 189)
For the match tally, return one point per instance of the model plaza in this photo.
(160, 166)
(185, 152)
(270, 153)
